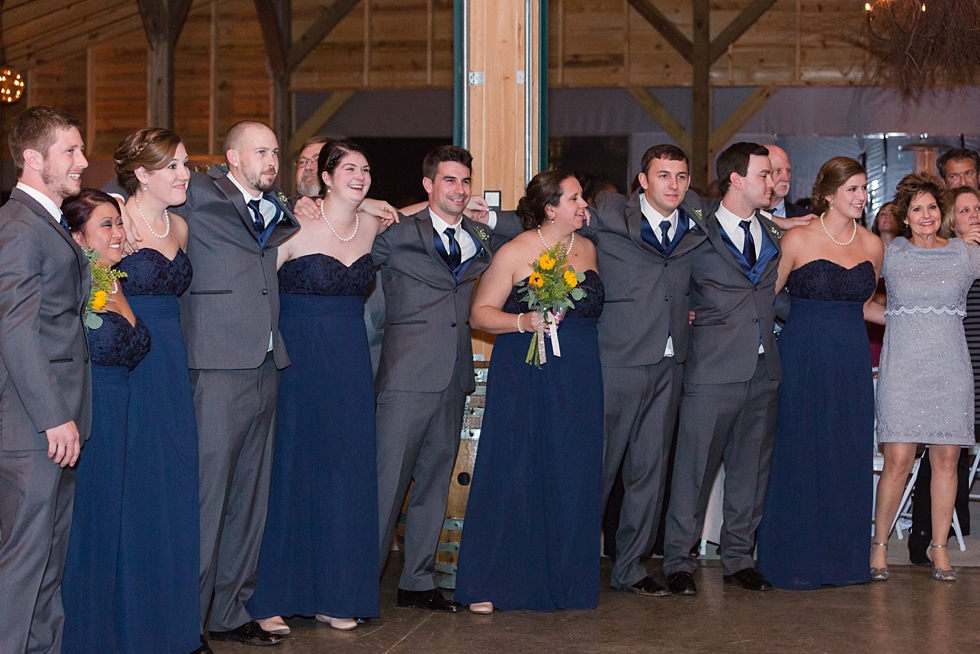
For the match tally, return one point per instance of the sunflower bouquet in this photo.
(103, 279)
(552, 288)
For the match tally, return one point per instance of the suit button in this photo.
(755, 320)
(666, 299)
(86, 359)
(263, 254)
(265, 291)
(453, 325)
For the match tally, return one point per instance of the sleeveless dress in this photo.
(925, 380)
(159, 558)
(320, 549)
(88, 590)
(530, 536)
(817, 516)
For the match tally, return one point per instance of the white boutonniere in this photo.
(481, 232)
(697, 214)
(283, 200)
(776, 232)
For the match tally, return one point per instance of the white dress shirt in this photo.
(654, 217)
(730, 223)
(467, 247)
(44, 200)
(780, 209)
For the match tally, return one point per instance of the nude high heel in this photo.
(879, 574)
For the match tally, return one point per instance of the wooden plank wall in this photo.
(385, 44)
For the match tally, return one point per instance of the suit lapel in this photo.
(473, 266)
(235, 196)
(770, 250)
(713, 229)
(634, 224)
(423, 222)
(81, 261)
(285, 226)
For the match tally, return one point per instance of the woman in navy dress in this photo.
(319, 555)
(530, 537)
(817, 515)
(158, 585)
(88, 590)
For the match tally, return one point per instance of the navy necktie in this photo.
(455, 254)
(64, 225)
(664, 238)
(748, 248)
(258, 222)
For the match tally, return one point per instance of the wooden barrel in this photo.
(447, 550)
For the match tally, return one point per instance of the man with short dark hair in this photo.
(645, 246)
(958, 167)
(429, 263)
(45, 380)
(731, 376)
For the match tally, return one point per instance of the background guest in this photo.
(884, 227)
(814, 525)
(785, 214)
(320, 549)
(531, 536)
(158, 561)
(121, 342)
(958, 167)
(925, 384)
(307, 178)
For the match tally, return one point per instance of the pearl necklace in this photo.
(166, 216)
(568, 250)
(357, 223)
(115, 287)
(830, 236)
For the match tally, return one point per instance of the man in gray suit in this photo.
(45, 380)
(731, 377)
(429, 263)
(645, 247)
(236, 220)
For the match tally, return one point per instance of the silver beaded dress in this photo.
(925, 380)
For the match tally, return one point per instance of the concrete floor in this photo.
(908, 613)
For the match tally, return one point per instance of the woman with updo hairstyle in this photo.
(89, 590)
(814, 526)
(319, 554)
(160, 562)
(530, 540)
(925, 381)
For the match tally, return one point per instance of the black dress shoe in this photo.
(749, 579)
(682, 583)
(647, 586)
(433, 600)
(205, 648)
(249, 633)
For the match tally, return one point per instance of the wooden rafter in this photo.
(741, 114)
(27, 56)
(664, 26)
(737, 27)
(320, 117)
(662, 115)
(328, 19)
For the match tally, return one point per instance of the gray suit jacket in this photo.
(427, 311)
(232, 303)
(730, 311)
(45, 379)
(647, 294)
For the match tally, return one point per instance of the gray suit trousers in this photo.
(418, 438)
(640, 413)
(36, 498)
(734, 423)
(236, 423)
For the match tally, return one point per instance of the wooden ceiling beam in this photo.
(74, 15)
(665, 27)
(276, 47)
(51, 49)
(18, 16)
(320, 117)
(662, 115)
(737, 28)
(56, 34)
(741, 114)
(328, 19)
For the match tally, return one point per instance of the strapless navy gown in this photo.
(320, 548)
(816, 523)
(158, 584)
(530, 536)
(88, 590)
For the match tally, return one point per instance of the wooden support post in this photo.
(503, 126)
(213, 82)
(162, 22)
(701, 96)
